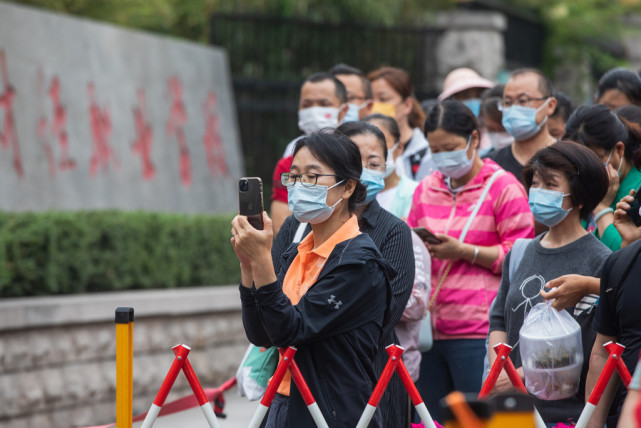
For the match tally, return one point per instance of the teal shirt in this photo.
(611, 237)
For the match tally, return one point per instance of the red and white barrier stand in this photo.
(395, 364)
(614, 362)
(503, 362)
(287, 363)
(180, 363)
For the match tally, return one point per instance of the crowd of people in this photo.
(439, 227)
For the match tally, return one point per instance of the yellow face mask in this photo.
(384, 108)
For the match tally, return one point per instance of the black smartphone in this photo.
(635, 205)
(426, 235)
(250, 200)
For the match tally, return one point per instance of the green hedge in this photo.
(75, 252)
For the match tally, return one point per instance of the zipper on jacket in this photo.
(447, 227)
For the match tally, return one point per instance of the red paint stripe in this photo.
(288, 356)
(181, 355)
(395, 353)
(301, 384)
(606, 374)
(408, 383)
(502, 351)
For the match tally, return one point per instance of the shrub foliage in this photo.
(76, 252)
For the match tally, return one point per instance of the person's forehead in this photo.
(381, 85)
(322, 89)
(526, 83)
(352, 83)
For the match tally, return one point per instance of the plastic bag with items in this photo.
(551, 352)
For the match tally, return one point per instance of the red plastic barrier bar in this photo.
(301, 384)
(181, 352)
(615, 350)
(194, 383)
(514, 376)
(395, 353)
(502, 355)
(288, 357)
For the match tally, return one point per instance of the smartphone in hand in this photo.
(635, 205)
(250, 200)
(426, 235)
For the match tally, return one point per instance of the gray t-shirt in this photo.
(517, 296)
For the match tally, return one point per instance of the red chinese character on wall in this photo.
(59, 125)
(8, 135)
(175, 127)
(144, 137)
(100, 121)
(57, 129)
(211, 140)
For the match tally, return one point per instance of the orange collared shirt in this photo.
(304, 270)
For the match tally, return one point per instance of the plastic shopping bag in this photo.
(255, 370)
(551, 352)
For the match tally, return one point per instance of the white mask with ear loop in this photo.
(390, 163)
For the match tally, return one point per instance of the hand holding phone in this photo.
(427, 236)
(250, 200)
(635, 205)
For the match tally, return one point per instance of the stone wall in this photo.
(95, 116)
(57, 354)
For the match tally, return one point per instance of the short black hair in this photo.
(452, 116)
(630, 115)
(624, 80)
(350, 129)
(564, 107)
(342, 68)
(341, 155)
(490, 102)
(595, 126)
(580, 166)
(388, 122)
(339, 88)
(545, 85)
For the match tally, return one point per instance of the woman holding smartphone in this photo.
(328, 297)
(392, 238)
(476, 198)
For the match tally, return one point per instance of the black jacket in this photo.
(393, 239)
(336, 328)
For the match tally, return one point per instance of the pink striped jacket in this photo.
(461, 308)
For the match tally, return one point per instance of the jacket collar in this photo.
(489, 167)
(370, 215)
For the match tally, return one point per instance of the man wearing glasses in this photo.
(526, 105)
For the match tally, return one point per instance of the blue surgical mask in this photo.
(547, 206)
(474, 104)
(454, 164)
(374, 182)
(309, 204)
(520, 121)
(353, 111)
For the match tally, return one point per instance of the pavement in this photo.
(239, 412)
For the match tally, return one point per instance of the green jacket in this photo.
(611, 237)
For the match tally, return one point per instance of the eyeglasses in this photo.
(307, 179)
(523, 101)
(376, 166)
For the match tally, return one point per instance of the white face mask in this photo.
(390, 163)
(313, 119)
(500, 139)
